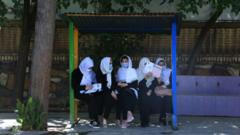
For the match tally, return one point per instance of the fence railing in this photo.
(181, 59)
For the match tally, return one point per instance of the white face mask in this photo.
(124, 65)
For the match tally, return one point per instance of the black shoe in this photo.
(94, 124)
(144, 125)
(163, 121)
(169, 123)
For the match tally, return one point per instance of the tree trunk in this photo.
(24, 46)
(200, 40)
(42, 51)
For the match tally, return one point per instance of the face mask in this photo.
(124, 65)
(163, 67)
(110, 67)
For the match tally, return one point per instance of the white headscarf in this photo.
(166, 72)
(105, 68)
(160, 59)
(127, 75)
(88, 76)
(140, 71)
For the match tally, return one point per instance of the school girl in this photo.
(127, 85)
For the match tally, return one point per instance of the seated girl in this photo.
(83, 79)
(127, 87)
(164, 93)
(147, 84)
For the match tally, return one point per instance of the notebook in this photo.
(155, 69)
(96, 87)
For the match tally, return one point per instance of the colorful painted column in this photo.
(71, 68)
(174, 73)
(76, 101)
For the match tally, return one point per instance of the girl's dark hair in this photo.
(123, 57)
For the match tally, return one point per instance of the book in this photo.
(95, 88)
(157, 71)
(154, 69)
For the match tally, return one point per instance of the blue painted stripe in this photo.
(174, 72)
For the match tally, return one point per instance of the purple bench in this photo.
(208, 95)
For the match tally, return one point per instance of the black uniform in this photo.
(147, 104)
(90, 99)
(127, 99)
(165, 103)
(108, 102)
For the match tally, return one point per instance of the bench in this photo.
(208, 95)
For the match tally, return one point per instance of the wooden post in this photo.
(71, 68)
(76, 101)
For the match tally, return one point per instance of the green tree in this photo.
(3, 12)
(193, 6)
(183, 6)
(25, 11)
(40, 73)
(44, 29)
(28, 23)
(42, 52)
(106, 44)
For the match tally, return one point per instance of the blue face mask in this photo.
(110, 67)
(124, 65)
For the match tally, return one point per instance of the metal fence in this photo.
(206, 59)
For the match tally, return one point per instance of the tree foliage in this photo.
(217, 7)
(125, 6)
(3, 12)
(107, 44)
(30, 115)
(193, 6)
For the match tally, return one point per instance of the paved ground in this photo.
(58, 123)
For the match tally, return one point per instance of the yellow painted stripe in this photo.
(75, 47)
(75, 66)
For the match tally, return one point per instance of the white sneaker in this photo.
(124, 124)
(104, 123)
(94, 124)
(130, 118)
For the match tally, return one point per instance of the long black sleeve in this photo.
(133, 84)
(170, 80)
(143, 87)
(75, 82)
(103, 80)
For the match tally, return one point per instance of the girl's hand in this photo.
(149, 93)
(113, 94)
(124, 84)
(120, 84)
(159, 80)
(88, 87)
